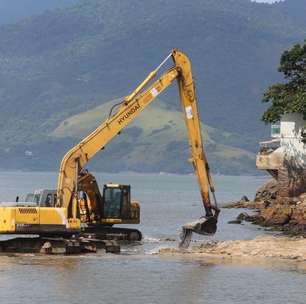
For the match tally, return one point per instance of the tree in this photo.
(289, 97)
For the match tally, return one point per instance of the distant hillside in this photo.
(14, 10)
(156, 141)
(65, 62)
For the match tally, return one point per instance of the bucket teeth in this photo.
(204, 226)
(185, 236)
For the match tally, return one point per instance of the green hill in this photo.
(64, 62)
(156, 141)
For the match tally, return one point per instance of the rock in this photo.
(235, 222)
(169, 239)
(244, 199)
(302, 197)
(242, 216)
(246, 217)
(281, 212)
(268, 191)
(277, 215)
(261, 204)
(299, 215)
(46, 248)
(303, 204)
(244, 202)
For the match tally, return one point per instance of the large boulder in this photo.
(278, 214)
(268, 192)
(287, 213)
(298, 216)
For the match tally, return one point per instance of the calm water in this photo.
(137, 276)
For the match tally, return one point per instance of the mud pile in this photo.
(260, 247)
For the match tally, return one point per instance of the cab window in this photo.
(112, 203)
(36, 198)
(48, 202)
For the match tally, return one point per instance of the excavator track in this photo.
(90, 240)
(103, 232)
(77, 200)
(57, 245)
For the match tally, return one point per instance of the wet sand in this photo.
(260, 249)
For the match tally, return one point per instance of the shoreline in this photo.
(261, 250)
(270, 210)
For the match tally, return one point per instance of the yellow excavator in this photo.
(77, 207)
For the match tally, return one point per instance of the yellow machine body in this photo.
(134, 217)
(78, 199)
(36, 220)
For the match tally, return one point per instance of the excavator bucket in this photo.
(204, 226)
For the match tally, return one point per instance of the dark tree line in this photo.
(288, 97)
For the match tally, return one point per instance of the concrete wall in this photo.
(293, 148)
(287, 163)
(292, 176)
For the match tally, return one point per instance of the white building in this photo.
(284, 156)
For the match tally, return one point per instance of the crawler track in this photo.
(90, 240)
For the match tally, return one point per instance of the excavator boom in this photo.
(128, 110)
(56, 215)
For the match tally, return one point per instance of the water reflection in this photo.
(138, 277)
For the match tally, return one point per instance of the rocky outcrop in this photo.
(277, 214)
(291, 179)
(268, 192)
(298, 216)
(285, 213)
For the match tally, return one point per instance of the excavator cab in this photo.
(112, 206)
(78, 199)
(116, 201)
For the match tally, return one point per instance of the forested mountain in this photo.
(14, 10)
(67, 61)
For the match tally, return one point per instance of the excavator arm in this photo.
(81, 154)
(128, 110)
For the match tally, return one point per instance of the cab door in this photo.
(112, 202)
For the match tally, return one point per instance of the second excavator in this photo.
(77, 207)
